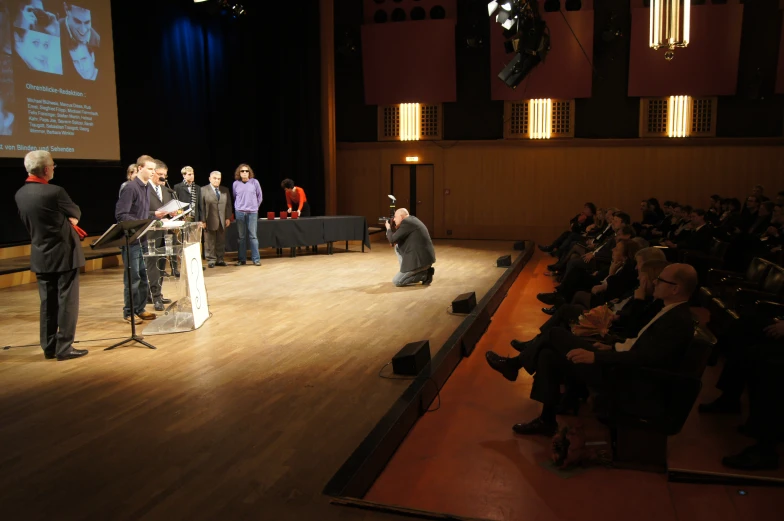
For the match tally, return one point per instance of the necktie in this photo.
(193, 200)
(217, 194)
(158, 193)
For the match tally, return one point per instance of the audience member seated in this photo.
(573, 361)
(582, 273)
(601, 241)
(577, 226)
(621, 279)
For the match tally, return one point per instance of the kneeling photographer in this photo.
(413, 247)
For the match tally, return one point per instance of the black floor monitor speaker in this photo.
(412, 358)
(519, 245)
(504, 261)
(464, 303)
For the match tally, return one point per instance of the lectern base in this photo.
(172, 322)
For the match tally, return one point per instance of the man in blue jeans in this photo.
(134, 205)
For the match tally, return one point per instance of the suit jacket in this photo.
(700, 240)
(413, 244)
(622, 281)
(663, 344)
(55, 245)
(214, 212)
(181, 189)
(167, 194)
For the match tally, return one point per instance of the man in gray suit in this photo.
(55, 254)
(216, 217)
(414, 249)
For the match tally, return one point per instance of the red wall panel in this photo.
(409, 62)
(565, 74)
(707, 67)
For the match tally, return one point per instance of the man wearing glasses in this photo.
(660, 343)
(56, 255)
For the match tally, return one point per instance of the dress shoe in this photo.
(429, 278)
(241, 263)
(72, 353)
(50, 356)
(220, 263)
(502, 365)
(176, 273)
(537, 426)
(165, 300)
(158, 306)
(165, 274)
(756, 457)
(147, 315)
(210, 264)
(546, 249)
(549, 311)
(550, 299)
(519, 345)
(138, 319)
(720, 406)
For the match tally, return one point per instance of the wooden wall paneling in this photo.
(523, 191)
(425, 196)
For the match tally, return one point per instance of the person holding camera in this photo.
(413, 247)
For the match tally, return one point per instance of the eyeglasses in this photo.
(659, 279)
(246, 171)
(54, 166)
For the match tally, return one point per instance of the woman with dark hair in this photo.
(247, 199)
(296, 196)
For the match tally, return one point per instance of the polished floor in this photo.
(245, 418)
(464, 460)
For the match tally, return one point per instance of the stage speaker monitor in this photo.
(464, 303)
(519, 245)
(410, 360)
(504, 262)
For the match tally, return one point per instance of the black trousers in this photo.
(305, 209)
(59, 294)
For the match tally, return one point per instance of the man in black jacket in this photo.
(159, 194)
(56, 254)
(660, 344)
(188, 192)
(414, 249)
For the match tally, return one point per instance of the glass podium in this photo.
(179, 242)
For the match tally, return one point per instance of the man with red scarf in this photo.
(56, 254)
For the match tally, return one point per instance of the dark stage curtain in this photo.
(205, 90)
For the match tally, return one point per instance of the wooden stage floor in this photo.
(246, 418)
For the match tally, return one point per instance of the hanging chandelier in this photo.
(670, 20)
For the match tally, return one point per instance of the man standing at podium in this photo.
(134, 205)
(159, 195)
(56, 255)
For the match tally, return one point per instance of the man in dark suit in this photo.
(216, 217)
(159, 195)
(698, 236)
(660, 344)
(414, 249)
(189, 193)
(55, 254)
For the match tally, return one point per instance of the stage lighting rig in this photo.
(526, 34)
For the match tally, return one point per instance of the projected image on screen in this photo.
(57, 90)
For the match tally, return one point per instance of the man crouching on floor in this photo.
(414, 249)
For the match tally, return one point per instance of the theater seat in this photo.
(647, 405)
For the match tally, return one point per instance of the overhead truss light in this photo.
(526, 34)
(669, 25)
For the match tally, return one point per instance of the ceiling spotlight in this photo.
(492, 7)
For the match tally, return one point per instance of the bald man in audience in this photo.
(661, 343)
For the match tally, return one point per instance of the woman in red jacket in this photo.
(296, 196)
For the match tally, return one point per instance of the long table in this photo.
(305, 231)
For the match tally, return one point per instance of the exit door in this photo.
(412, 186)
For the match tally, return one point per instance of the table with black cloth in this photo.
(305, 231)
